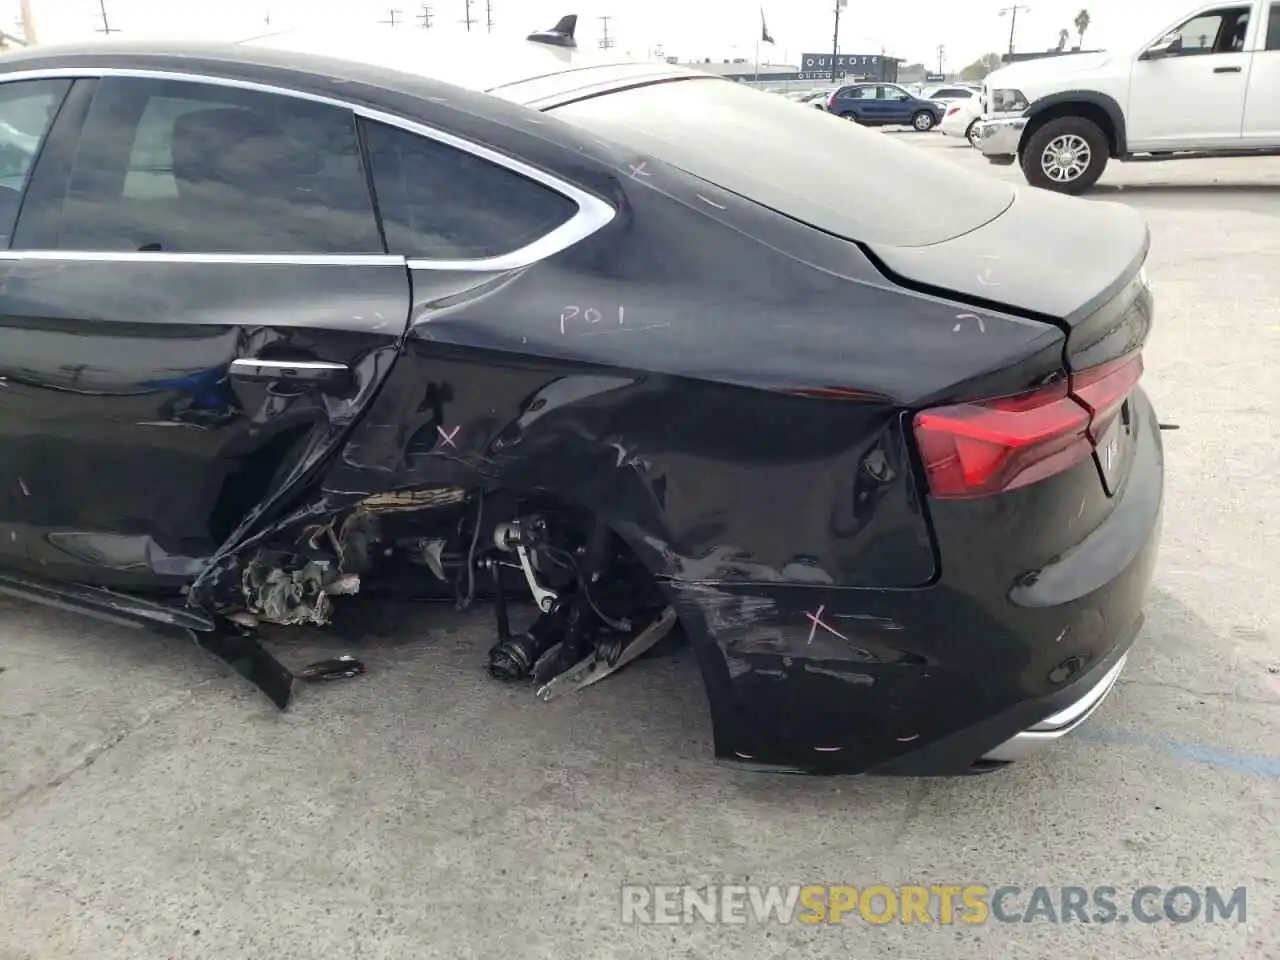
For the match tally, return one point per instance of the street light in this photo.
(1013, 23)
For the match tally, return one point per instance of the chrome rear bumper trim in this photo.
(1057, 725)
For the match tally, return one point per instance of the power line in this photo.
(391, 17)
(469, 21)
(606, 41)
(425, 16)
(1013, 23)
(106, 27)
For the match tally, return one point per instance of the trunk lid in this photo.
(1047, 256)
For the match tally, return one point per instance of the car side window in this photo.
(1273, 28)
(1215, 31)
(187, 167)
(27, 109)
(441, 203)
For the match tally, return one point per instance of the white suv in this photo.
(1206, 85)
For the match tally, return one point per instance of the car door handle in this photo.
(317, 372)
(1226, 69)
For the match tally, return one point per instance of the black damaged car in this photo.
(293, 322)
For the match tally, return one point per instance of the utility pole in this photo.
(835, 38)
(28, 24)
(942, 53)
(391, 17)
(606, 41)
(425, 16)
(488, 16)
(106, 27)
(468, 21)
(1012, 12)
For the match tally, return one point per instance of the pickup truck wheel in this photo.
(1066, 155)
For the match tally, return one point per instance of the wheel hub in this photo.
(1066, 158)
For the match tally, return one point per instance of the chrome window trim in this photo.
(593, 213)
(320, 366)
(159, 256)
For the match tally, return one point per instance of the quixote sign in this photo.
(817, 66)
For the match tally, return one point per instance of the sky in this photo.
(688, 29)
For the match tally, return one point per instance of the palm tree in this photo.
(1062, 39)
(1082, 24)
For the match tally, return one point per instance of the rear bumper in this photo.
(999, 137)
(1018, 642)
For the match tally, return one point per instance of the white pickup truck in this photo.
(1206, 85)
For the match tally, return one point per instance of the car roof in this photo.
(524, 71)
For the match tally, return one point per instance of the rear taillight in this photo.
(953, 111)
(987, 446)
(831, 101)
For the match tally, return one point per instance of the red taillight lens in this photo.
(987, 446)
(953, 111)
(1103, 390)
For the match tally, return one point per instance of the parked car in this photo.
(1205, 85)
(300, 325)
(952, 92)
(817, 98)
(961, 119)
(884, 105)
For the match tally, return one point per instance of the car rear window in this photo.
(856, 183)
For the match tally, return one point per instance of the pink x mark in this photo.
(816, 622)
(447, 436)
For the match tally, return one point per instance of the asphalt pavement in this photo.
(151, 805)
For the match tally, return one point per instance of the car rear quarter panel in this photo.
(648, 374)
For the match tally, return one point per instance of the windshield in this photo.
(807, 164)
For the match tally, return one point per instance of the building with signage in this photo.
(813, 66)
(848, 66)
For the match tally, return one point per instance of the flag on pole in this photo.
(764, 29)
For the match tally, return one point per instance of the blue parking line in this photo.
(1192, 752)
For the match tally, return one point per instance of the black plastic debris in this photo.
(240, 649)
(339, 668)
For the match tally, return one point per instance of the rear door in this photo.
(880, 105)
(195, 305)
(1262, 102)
